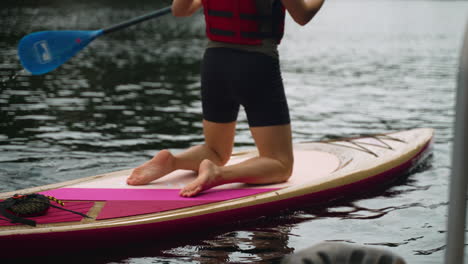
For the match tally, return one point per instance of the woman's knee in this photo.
(288, 164)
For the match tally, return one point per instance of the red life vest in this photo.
(245, 22)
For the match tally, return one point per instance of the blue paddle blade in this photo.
(44, 51)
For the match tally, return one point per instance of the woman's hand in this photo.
(302, 11)
(181, 8)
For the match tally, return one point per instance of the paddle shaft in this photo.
(137, 20)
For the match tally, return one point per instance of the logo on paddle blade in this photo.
(43, 51)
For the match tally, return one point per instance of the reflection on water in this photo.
(361, 67)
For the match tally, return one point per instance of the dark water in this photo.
(360, 67)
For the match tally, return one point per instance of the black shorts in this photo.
(231, 78)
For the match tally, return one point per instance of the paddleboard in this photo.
(323, 172)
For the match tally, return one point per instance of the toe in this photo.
(190, 191)
(132, 182)
(136, 178)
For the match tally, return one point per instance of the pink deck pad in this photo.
(55, 215)
(103, 194)
(113, 209)
(129, 202)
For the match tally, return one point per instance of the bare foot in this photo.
(209, 175)
(160, 165)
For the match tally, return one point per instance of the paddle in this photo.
(42, 52)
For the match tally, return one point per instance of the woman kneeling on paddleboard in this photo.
(240, 67)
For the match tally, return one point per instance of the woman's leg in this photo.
(219, 141)
(274, 163)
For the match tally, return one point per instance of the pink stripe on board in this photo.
(129, 202)
(54, 215)
(88, 194)
(113, 209)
